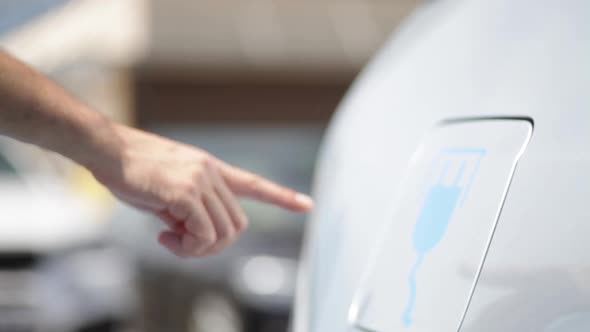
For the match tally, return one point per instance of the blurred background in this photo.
(252, 81)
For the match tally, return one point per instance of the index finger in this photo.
(247, 184)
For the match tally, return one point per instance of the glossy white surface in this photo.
(423, 270)
(465, 59)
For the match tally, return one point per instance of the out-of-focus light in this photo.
(215, 312)
(111, 31)
(99, 270)
(264, 275)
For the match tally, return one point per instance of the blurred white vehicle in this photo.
(452, 191)
(56, 271)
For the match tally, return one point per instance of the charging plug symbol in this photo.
(442, 199)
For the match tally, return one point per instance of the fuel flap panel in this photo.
(424, 269)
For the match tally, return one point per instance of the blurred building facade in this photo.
(268, 50)
(257, 60)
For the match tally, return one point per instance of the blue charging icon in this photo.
(452, 173)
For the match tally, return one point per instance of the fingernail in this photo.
(304, 200)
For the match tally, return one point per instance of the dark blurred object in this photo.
(57, 273)
(250, 286)
(181, 95)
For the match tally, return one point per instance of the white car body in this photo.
(508, 79)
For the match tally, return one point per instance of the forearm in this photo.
(192, 191)
(35, 110)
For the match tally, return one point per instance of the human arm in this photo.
(191, 190)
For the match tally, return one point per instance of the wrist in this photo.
(102, 145)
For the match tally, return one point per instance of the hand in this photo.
(190, 190)
(193, 192)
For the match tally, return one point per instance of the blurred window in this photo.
(14, 13)
(5, 166)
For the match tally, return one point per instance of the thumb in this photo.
(247, 184)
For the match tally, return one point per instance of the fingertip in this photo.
(251, 185)
(304, 202)
(189, 244)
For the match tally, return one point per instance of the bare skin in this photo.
(193, 192)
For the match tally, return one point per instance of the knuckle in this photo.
(183, 189)
(254, 183)
(208, 196)
(192, 190)
(202, 181)
(198, 175)
(207, 161)
(179, 208)
(242, 223)
(191, 227)
(229, 234)
(224, 236)
(208, 239)
(188, 243)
